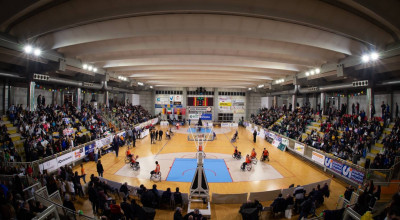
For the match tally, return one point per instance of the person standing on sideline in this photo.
(100, 169)
(116, 144)
(134, 139)
(255, 135)
(83, 173)
(156, 135)
(96, 154)
(151, 137)
(189, 121)
(160, 134)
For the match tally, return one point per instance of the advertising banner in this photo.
(194, 116)
(78, 154)
(178, 98)
(344, 170)
(225, 124)
(275, 143)
(299, 148)
(317, 157)
(89, 148)
(285, 141)
(50, 165)
(65, 159)
(207, 117)
(144, 133)
(282, 147)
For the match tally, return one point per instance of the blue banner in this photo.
(167, 106)
(89, 149)
(206, 117)
(344, 170)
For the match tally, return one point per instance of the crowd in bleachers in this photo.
(52, 129)
(349, 137)
(130, 114)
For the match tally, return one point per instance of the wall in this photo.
(253, 103)
(147, 100)
(20, 96)
(267, 102)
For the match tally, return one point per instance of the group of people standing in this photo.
(156, 135)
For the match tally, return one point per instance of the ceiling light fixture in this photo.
(95, 69)
(28, 49)
(140, 83)
(249, 89)
(37, 52)
(374, 56)
(261, 85)
(317, 70)
(84, 66)
(90, 68)
(365, 58)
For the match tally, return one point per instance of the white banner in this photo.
(285, 141)
(144, 133)
(299, 148)
(275, 143)
(65, 159)
(317, 157)
(235, 125)
(225, 124)
(79, 153)
(50, 165)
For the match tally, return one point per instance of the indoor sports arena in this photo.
(194, 110)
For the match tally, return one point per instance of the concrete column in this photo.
(216, 107)
(31, 96)
(11, 95)
(78, 98)
(275, 102)
(323, 97)
(106, 96)
(315, 101)
(125, 95)
(294, 101)
(6, 94)
(370, 102)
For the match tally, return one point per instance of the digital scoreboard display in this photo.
(200, 101)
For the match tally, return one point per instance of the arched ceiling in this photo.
(211, 43)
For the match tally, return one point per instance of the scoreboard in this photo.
(200, 101)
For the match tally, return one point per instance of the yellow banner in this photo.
(225, 104)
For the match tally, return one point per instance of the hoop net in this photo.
(201, 135)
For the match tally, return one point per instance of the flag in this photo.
(169, 111)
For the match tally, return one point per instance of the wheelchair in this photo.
(262, 158)
(237, 156)
(233, 140)
(254, 160)
(135, 166)
(156, 176)
(247, 167)
(128, 159)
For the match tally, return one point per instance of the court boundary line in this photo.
(170, 169)
(226, 165)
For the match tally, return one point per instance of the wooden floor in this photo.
(294, 170)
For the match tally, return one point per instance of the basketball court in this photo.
(177, 160)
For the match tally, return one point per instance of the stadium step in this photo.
(361, 162)
(379, 145)
(316, 124)
(375, 150)
(15, 137)
(11, 130)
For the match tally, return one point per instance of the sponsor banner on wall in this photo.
(275, 143)
(65, 159)
(235, 125)
(89, 148)
(207, 117)
(144, 133)
(317, 157)
(225, 124)
(299, 148)
(50, 165)
(79, 153)
(344, 170)
(282, 147)
(285, 141)
(178, 98)
(194, 116)
(238, 102)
